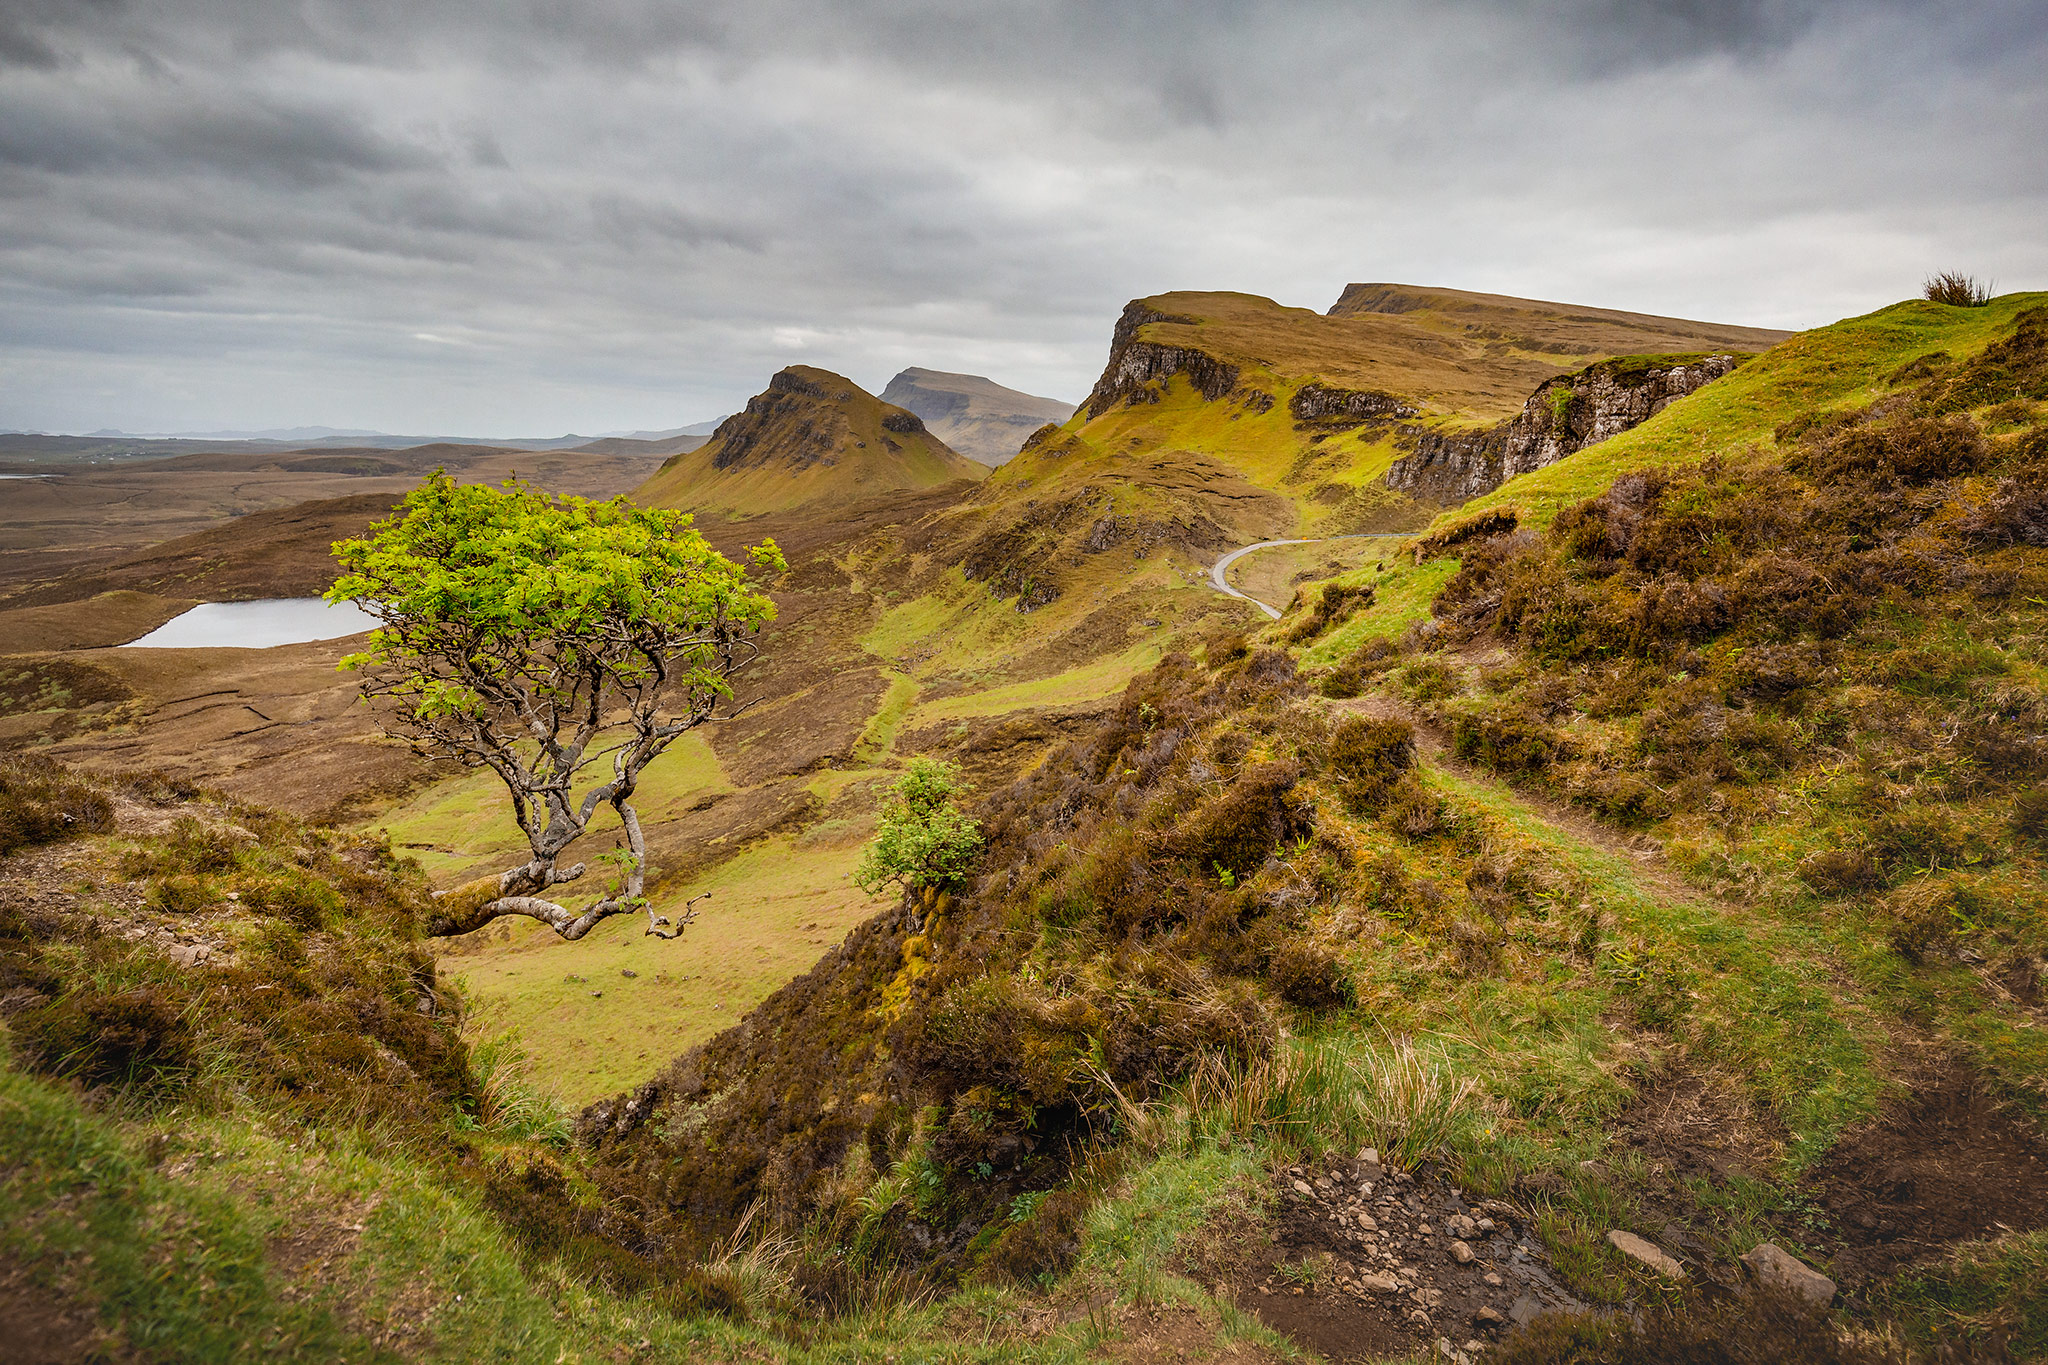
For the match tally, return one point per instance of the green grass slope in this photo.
(1829, 369)
(811, 437)
(1227, 417)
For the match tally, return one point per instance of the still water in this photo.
(257, 625)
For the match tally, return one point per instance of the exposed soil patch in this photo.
(1690, 1126)
(1688, 1123)
(1173, 1333)
(1365, 1261)
(38, 1326)
(1948, 1164)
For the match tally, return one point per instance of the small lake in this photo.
(257, 625)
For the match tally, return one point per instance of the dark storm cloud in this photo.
(430, 215)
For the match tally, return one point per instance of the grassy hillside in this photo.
(1662, 861)
(811, 437)
(1830, 369)
(1545, 333)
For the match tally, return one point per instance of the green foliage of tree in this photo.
(923, 839)
(559, 642)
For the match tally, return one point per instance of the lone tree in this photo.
(561, 643)
(922, 839)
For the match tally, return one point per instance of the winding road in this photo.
(1222, 584)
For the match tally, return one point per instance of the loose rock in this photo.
(1645, 1251)
(1773, 1265)
(1461, 1253)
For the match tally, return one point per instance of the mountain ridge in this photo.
(976, 416)
(810, 437)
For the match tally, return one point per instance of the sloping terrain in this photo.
(1561, 336)
(810, 437)
(1698, 832)
(1223, 419)
(628, 445)
(73, 520)
(1641, 867)
(977, 417)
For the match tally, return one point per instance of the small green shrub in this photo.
(923, 839)
(1507, 737)
(182, 894)
(193, 846)
(1368, 757)
(304, 900)
(1333, 603)
(1041, 1239)
(1841, 871)
(1312, 976)
(1428, 680)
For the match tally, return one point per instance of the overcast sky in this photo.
(526, 217)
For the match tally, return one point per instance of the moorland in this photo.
(1599, 918)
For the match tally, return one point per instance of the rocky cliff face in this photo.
(1314, 402)
(1563, 415)
(1137, 368)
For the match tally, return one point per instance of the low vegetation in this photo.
(1664, 859)
(1956, 289)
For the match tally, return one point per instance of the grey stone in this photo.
(1598, 402)
(1378, 1284)
(1460, 1226)
(1301, 1188)
(1461, 1253)
(1645, 1251)
(1774, 1266)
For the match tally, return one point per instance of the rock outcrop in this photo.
(1564, 415)
(1137, 369)
(1317, 402)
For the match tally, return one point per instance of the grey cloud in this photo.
(628, 212)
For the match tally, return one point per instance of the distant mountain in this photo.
(666, 434)
(810, 437)
(977, 417)
(674, 443)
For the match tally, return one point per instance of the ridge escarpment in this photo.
(1565, 414)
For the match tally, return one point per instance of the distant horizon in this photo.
(313, 431)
